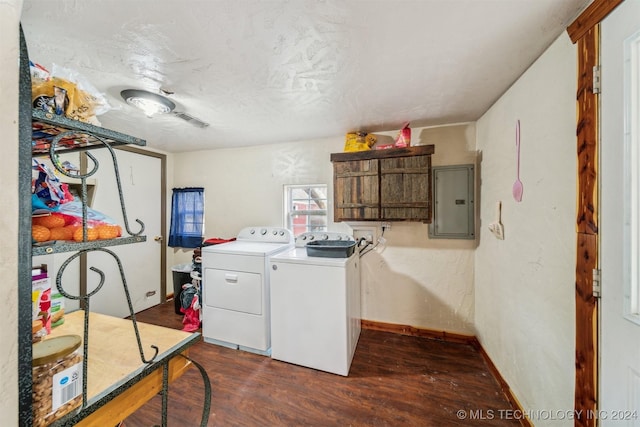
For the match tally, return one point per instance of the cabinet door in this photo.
(405, 188)
(356, 190)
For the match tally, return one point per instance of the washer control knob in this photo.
(339, 237)
(252, 231)
(275, 232)
(275, 267)
(282, 232)
(312, 237)
(325, 237)
(263, 231)
(303, 237)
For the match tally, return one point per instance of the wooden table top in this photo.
(114, 357)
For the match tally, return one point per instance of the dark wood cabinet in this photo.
(383, 185)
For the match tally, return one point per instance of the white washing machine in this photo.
(315, 307)
(235, 288)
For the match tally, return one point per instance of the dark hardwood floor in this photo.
(395, 380)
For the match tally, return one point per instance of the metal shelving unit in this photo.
(42, 133)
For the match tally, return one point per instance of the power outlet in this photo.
(369, 233)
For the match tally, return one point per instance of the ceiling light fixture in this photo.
(149, 102)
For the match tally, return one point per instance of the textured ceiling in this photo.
(264, 72)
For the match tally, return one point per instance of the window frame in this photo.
(288, 222)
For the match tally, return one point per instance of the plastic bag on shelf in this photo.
(98, 101)
(99, 225)
(68, 93)
(48, 188)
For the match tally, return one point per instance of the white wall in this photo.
(9, 53)
(524, 285)
(420, 282)
(413, 281)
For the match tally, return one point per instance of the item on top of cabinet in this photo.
(57, 378)
(359, 141)
(404, 137)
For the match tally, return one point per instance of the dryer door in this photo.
(233, 290)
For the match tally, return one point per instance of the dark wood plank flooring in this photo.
(395, 380)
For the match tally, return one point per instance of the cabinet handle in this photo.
(231, 278)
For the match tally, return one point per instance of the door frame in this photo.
(163, 221)
(585, 32)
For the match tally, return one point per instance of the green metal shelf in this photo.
(56, 247)
(46, 126)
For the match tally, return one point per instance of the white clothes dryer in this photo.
(235, 288)
(315, 306)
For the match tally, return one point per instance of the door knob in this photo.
(158, 238)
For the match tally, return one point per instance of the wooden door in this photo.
(141, 177)
(405, 188)
(356, 190)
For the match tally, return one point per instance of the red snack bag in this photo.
(404, 137)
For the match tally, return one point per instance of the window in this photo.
(187, 217)
(305, 208)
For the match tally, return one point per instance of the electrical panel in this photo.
(454, 206)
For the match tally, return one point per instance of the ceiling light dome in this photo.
(149, 102)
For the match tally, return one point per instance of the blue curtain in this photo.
(187, 218)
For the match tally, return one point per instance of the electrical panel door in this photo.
(454, 207)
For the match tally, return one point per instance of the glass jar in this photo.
(57, 378)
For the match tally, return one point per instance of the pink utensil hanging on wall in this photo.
(517, 186)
